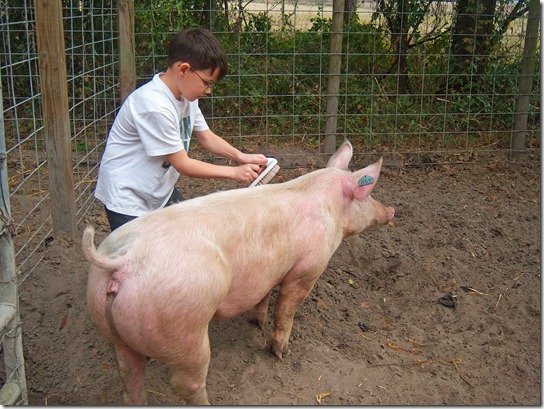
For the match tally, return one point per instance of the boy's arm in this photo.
(198, 169)
(217, 145)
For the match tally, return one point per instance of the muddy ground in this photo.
(374, 330)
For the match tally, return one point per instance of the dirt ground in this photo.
(378, 328)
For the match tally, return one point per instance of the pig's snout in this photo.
(383, 216)
(390, 213)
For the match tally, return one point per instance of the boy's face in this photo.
(194, 84)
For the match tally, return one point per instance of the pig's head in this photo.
(361, 212)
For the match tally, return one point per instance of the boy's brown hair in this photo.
(200, 48)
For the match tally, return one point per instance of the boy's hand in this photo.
(253, 158)
(247, 173)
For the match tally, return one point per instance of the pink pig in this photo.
(155, 283)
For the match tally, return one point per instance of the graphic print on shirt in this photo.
(185, 131)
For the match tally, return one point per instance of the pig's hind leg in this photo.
(189, 376)
(131, 367)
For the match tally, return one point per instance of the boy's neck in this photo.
(169, 79)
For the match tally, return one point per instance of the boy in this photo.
(147, 146)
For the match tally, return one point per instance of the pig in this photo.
(156, 283)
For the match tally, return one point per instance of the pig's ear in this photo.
(365, 179)
(342, 156)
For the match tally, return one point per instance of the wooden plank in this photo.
(127, 59)
(12, 346)
(9, 394)
(526, 81)
(333, 85)
(54, 88)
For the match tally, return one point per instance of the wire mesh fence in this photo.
(415, 102)
(407, 91)
(92, 78)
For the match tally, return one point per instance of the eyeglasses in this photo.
(206, 83)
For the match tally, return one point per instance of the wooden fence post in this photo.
(127, 59)
(333, 85)
(54, 88)
(526, 80)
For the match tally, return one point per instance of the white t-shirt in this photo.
(134, 177)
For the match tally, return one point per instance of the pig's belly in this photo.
(247, 290)
(229, 310)
(238, 303)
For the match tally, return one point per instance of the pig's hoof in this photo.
(278, 348)
(258, 321)
(279, 353)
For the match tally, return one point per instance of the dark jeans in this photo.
(117, 219)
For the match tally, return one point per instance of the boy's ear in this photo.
(182, 67)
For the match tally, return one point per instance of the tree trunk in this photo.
(349, 9)
(402, 50)
(471, 38)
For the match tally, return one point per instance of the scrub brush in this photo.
(266, 175)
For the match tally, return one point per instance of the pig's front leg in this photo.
(259, 313)
(290, 296)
